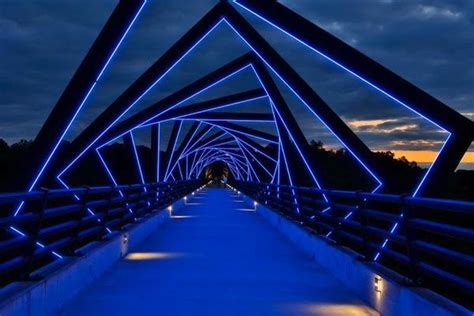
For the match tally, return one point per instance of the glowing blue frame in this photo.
(427, 173)
(68, 126)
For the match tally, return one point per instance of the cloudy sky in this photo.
(429, 42)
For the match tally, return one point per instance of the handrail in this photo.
(429, 241)
(59, 222)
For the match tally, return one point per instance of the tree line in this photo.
(336, 169)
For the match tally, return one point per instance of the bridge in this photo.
(101, 225)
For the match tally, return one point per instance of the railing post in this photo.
(159, 190)
(105, 218)
(125, 205)
(153, 196)
(361, 205)
(267, 194)
(30, 253)
(314, 216)
(79, 218)
(410, 239)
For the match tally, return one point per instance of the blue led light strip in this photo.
(235, 134)
(78, 199)
(305, 103)
(56, 146)
(290, 178)
(198, 149)
(195, 94)
(138, 164)
(356, 75)
(423, 180)
(171, 155)
(147, 122)
(275, 111)
(185, 152)
(136, 100)
(158, 154)
(190, 139)
(258, 161)
(39, 244)
(249, 165)
(207, 154)
(109, 173)
(397, 223)
(239, 140)
(220, 107)
(53, 151)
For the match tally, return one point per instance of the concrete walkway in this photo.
(216, 257)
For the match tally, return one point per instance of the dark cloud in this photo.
(428, 42)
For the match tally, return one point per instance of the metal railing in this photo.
(57, 223)
(429, 241)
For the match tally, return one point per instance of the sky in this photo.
(429, 43)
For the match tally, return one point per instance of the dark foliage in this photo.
(336, 169)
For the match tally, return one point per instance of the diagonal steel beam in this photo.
(167, 104)
(246, 131)
(231, 116)
(170, 149)
(359, 64)
(141, 86)
(210, 105)
(49, 138)
(461, 129)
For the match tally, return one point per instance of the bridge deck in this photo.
(216, 257)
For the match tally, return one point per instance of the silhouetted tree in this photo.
(336, 169)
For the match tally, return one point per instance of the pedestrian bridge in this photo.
(189, 248)
(216, 256)
(100, 226)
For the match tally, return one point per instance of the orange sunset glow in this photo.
(427, 156)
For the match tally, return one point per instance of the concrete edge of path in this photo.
(391, 298)
(60, 281)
